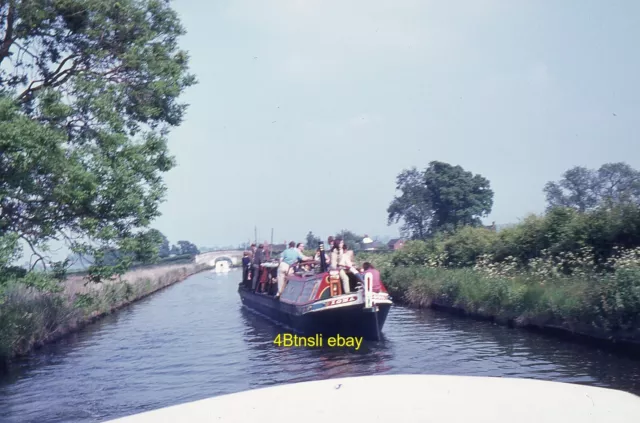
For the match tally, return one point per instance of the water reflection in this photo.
(315, 363)
(194, 340)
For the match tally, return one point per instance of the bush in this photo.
(463, 248)
(588, 299)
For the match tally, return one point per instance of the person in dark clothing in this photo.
(258, 259)
(246, 266)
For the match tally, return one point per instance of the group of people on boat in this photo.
(339, 258)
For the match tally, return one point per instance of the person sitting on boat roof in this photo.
(287, 259)
(341, 258)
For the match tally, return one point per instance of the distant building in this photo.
(395, 244)
(373, 246)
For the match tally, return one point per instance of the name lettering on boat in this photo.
(342, 300)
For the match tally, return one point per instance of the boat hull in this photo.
(352, 320)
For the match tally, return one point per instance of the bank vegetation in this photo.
(38, 309)
(575, 268)
(89, 91)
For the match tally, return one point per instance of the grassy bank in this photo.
(32, 315)
(599, 304)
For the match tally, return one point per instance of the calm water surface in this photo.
(194, 340)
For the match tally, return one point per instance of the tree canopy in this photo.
(442, 197)
(88, 91)
(586, 189)
(312, 240)
(187, 247)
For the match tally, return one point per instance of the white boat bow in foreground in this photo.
(408, 399)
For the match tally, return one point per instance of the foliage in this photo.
(560, 231)
(187, 247)
(38, 308)
(163, 243)
(312, 240)
(89, 90)
(541, 293)
(440, 198)
(586, 189)
(412, 206)
(464, 246)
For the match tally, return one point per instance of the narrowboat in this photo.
(313, 301)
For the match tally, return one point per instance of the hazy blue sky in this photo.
(292, 92)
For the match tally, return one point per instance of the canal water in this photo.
(194, 340)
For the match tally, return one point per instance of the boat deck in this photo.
(410, 399)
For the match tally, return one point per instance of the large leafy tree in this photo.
(585, 189)
(88, 91)
(413, 205)
(440, 198)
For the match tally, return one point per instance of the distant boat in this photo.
(222, 266)
(409, 399)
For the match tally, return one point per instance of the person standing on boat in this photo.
(246, 265)
(252, 252)
(258, 259)
(287, 259)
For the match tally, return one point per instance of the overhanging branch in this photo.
(8, 37)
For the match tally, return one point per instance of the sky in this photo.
(306, 110)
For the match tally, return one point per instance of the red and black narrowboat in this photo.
(313, 302)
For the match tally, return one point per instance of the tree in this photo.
(88, 91)
(351, 239)
(187, 247)
(412, 206)
(577, 189)
(162, 243)
(585, 189)
(312, 241)
(440, 198)
(175, 250)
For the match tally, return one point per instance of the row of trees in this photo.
(443, 198)
(88, 92)
(160, 248)
(181, 248)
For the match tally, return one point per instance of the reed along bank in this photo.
(38, 310)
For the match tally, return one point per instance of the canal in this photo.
(193, 340)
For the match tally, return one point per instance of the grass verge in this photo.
(30, 318)
(605, 307)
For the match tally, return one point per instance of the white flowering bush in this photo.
(570, 289)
